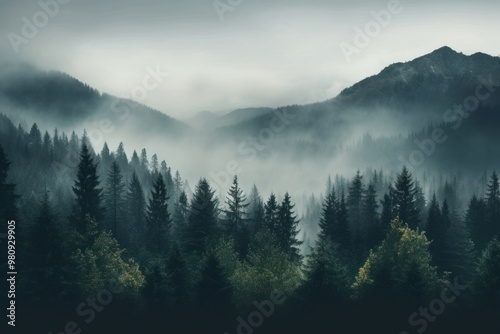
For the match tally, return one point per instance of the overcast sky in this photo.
(263, 52)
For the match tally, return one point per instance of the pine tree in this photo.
(405, 199)
(179, 280)
(460, 253)
(355, 204)
(373, 228)
(114, 198)
(158, 218)
(388, 211)
(87, 192)
(342, 235)
(477, 222)
(493, 205)
(437, 234)
(121, 158)
(213, 292)
(136, 206)
(326, 277)
(255, 211)
(487, 281)
(180, 221)
(203, 215)
(287, 229)
(235, 224)
(328, 221)
(8, 198)
(271, 209)
(46, 256)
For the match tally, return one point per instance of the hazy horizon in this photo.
(260, 55)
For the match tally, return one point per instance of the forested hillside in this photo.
(89, 219)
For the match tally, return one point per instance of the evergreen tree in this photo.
(374, 231)
(271, 209)
(45, 267)
(87, 192)
(405, 199)
(437, 234)
(213, 292)
(158, 218)
(287, 229)
(477, 222)
(136, 206)
(388, 210)
(203, 215)
(402, 261)
(180, 221)
(493, 205)
(328, 221)
(487, 281)
(235, 225)
(8, 198)
(255, 211)
(179, 280)
(355, 204)
(460, 253)
(342, 235)
(114, 199)
(326, 277)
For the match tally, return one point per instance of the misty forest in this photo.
(375, 211)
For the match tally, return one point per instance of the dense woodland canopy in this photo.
(375, 243)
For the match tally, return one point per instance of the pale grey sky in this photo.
(264, 52)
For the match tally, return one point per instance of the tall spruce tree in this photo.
(203, 218)
(493, 205)
(287, 229)
(271, 209)
(405, 199)
(88, 193)
(477, 222)
(235, 223)
(136, 208)
(437, 234)
(8, 198)
(114, 199)
(158, 218)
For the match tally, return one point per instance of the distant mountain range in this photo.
(403, 99)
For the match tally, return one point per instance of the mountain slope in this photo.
(62, 101)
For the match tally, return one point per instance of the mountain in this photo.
(58, 100)
(402, 98)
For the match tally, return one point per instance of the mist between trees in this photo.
(367, 246)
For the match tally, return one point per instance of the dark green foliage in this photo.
(286, 231)
(477, 222)
(213, 292)
(235, 222)
(327, 279)
(271, 209)
(487, 283)
(405, 200)
(8, 198)
(87, 192)
(202, 220)
(493, 205)
(114, 200)
(180, 219)
(136, 209)
(158, 218)
(256, 213)
(46, 262)
(437, 231)
(179, 280)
